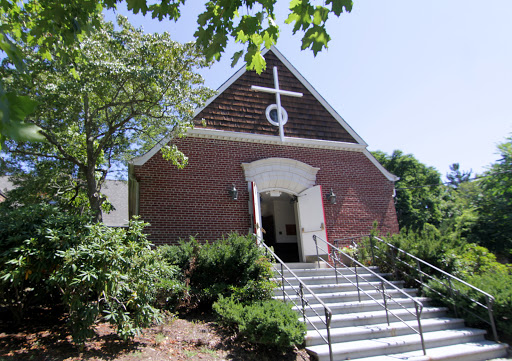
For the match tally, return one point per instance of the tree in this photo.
(494, 226)
(418, 191)
(456, 176)
(49, 24)
(120, 93)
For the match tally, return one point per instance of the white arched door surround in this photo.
(280, 174)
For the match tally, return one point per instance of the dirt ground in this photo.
(44, 337)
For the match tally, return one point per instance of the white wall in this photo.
(284, 213)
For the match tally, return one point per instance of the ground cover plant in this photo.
(269, 322)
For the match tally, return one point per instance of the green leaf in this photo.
(301, 14)
(255, 60)
(13, 110)
(320, 15)
(241, 37)
(12, 51)
(74, 73)
(236, 57)
(316, 38)
(137, 5)
(339, 5)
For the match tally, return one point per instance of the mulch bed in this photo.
(43, 336)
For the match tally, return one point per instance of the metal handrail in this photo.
(386, 297)
(302, 296)
(489, 298)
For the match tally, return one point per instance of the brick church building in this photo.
(268, 156)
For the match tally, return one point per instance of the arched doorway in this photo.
(285, 200)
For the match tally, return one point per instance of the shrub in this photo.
(180, 255)
(463, 298)
(269, 322)
(477, 266)
(112, 275)
(30, 237)
(500, 287)
(470, 262)
(472, 259)
(235, 266)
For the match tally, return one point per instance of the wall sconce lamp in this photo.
(233, 193)
(331, 197)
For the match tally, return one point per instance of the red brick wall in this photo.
(195, 201)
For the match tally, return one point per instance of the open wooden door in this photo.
(256, 211)
(311, 218)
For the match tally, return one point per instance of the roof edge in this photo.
(384, 171)
(140, 160)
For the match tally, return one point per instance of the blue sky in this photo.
(431, 78)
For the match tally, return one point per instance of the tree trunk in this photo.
(93, 194)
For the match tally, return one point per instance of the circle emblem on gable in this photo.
(271, 114)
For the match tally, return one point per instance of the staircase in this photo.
(359, 327)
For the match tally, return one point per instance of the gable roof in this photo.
(227, 117)
(237, 108)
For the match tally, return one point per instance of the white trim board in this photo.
(268, 139)
(272, 139)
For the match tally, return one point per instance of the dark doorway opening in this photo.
(279, 222)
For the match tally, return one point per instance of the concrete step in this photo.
(342, 287)
(331, 279)
(303, 265)
(395, 345)
(470, 351)
(315, 272)
(336, 297)
(359, 328)
(363, 306)
(374, 317)
(354, 333)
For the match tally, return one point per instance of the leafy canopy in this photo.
(47, 25)
(494, 226)
(121, 92)
(417, 191)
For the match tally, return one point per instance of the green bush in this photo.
(500, 287)
(30, 237)
(113, 275)
(472, 259)
(269, 322)
(477, 266)
(461, 299)
(468, 261)
(427, 244)
(234, 266)
(180, 255)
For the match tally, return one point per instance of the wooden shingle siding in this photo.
(239, 109)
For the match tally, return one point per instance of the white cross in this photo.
(278, 93)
